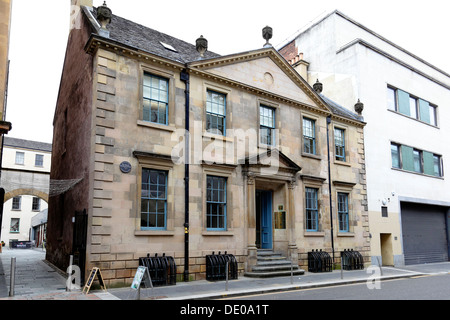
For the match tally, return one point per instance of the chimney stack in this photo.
(75, 10)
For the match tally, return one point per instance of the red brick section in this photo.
(71, 145)
(289, 51)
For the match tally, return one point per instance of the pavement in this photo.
(37, 279)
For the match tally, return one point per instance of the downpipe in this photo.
(184, 76)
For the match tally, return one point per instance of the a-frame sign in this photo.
(94, 272)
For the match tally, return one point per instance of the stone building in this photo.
(25, 179)
(250, 173)
(5, 26)
(406, 138)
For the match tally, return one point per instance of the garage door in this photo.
(424, 233)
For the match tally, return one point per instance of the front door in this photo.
(264, 219)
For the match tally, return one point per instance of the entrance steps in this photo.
(271, 264)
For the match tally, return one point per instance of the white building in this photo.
(407, 150)
(25, 165)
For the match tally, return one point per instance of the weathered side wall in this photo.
(71, 146)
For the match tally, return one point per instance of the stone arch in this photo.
(29, 192)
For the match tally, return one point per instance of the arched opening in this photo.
(24, 217)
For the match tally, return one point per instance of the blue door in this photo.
(265, 215)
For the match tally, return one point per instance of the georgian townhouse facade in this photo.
(184, 152)
(406, 138)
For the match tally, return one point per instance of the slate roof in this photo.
(149, 40)
(340, 110)
(39, 218)
(27, 144)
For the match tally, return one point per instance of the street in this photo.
(427, 287)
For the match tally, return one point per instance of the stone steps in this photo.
(272, 264)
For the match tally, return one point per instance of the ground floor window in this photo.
(343, 211)
(216, 203)
(312, 209)
(154, 200)
(15, 222)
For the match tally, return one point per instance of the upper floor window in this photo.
(20, 157)
(216, 203)
(155, 99)
(267, 125)
(392, 99)
(36, 205)
(395, 153)
(411, 106)
(339, 143)
(16, 203)
(433, 115)
(216, 112)
(415, 160)
(153, 200)
(309, 136)
(39, 160)
(437, 165)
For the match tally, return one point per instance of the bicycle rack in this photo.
(216, 267)
(162, 270)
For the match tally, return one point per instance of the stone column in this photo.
(251, 222)
(292, 246)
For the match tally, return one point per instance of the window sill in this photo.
(212, 136)
(345, 234)
(313, 234)
(229, 233)
(342, 163)
(418, 173)
(312, 156)
(142, 123)
(154, 233)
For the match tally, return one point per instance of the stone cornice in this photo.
(96, 42)
(199, 68)
(276, 58)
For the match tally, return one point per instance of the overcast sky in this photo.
(40, 29)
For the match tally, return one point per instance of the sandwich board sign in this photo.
(94, 272)
(142, 275)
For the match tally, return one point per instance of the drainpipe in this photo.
(329, 185)
(184, 76)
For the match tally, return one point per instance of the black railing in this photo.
(216, 267)
(319, 261)
(162, 270)
(352, 260)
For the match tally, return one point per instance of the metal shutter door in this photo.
(424, 233)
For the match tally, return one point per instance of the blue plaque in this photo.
(125, 167)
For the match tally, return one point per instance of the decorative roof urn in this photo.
(201, 45)
(104, 15)
(318, 87)
(359, 107)
(267, 34)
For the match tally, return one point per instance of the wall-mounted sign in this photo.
(125, 167)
